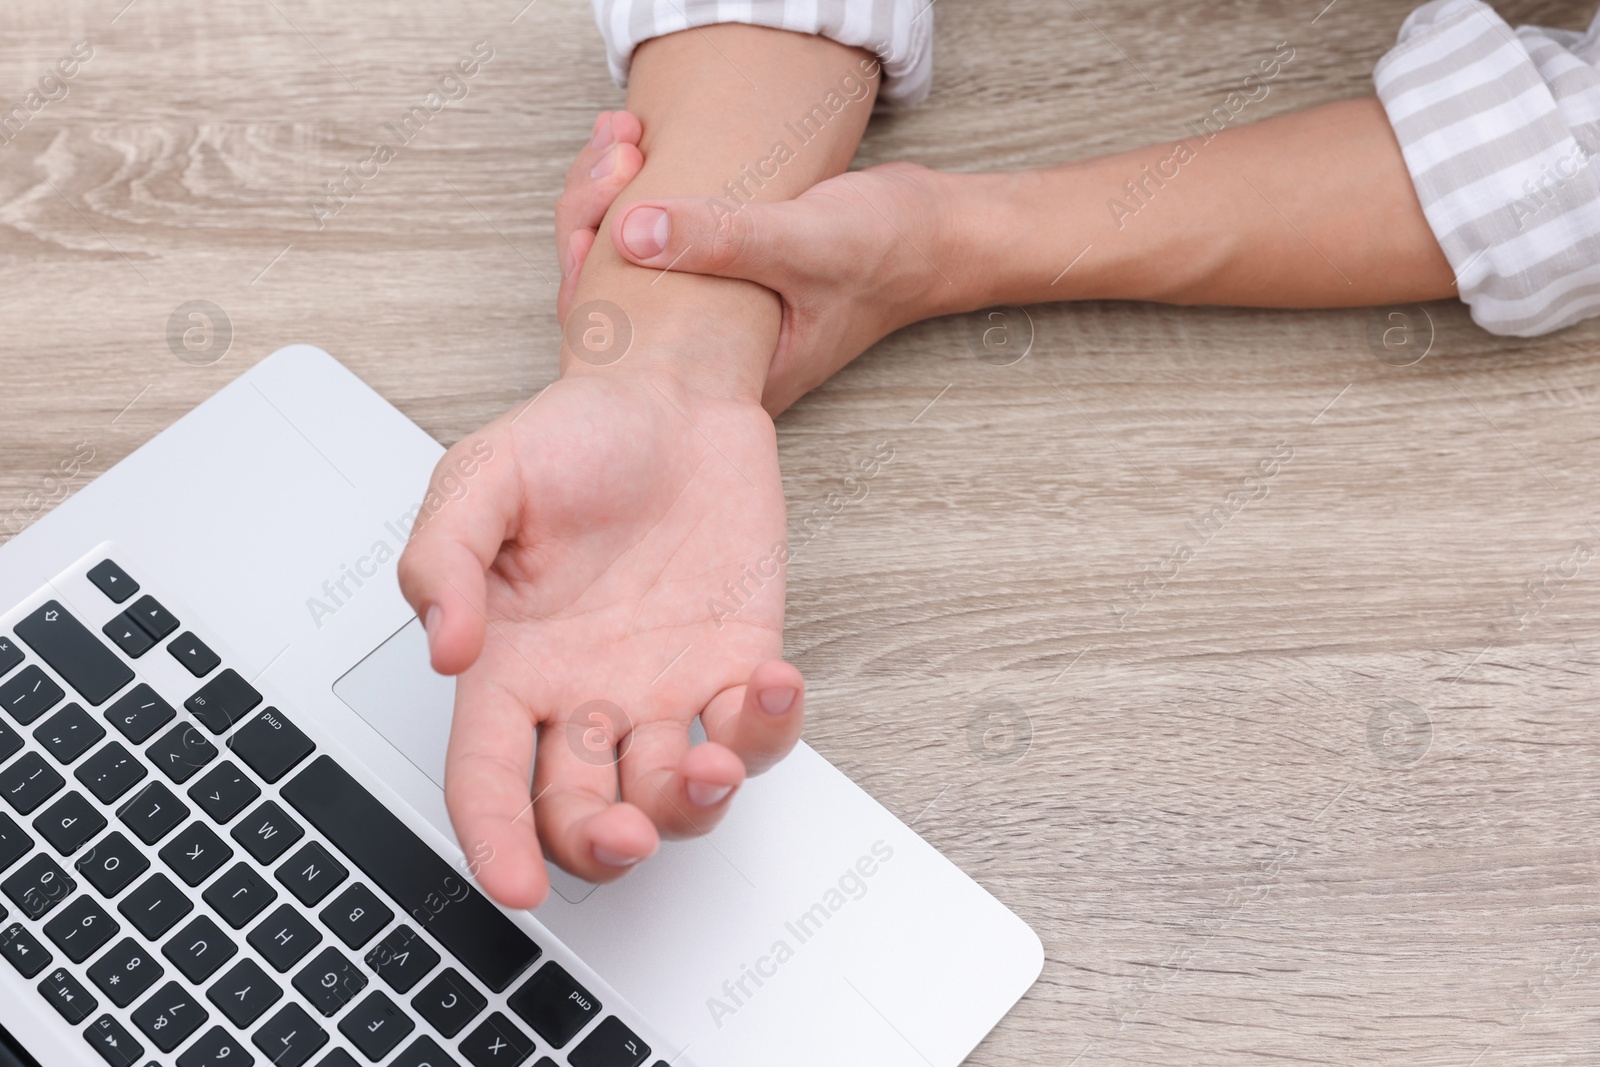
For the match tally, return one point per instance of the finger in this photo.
(578, 246)
(703, 236)
(469, 512)
(582, 825)
(486, 789)
(761, 720)
(684, 790)
(595, 178)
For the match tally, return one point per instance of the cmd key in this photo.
(74, 653)
(271, 744)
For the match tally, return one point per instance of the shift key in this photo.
(74, 653)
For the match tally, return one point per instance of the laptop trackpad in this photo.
(398, 694)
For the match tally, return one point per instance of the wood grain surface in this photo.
(1319, 789)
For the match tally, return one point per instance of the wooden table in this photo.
(1320, 793)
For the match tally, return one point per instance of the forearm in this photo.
(706, 126)
(1312, 209)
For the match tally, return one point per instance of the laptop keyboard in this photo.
(205, 887)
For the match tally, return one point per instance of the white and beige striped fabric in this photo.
(899, 32)
(1501, 130)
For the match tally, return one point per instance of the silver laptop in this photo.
(223, 837)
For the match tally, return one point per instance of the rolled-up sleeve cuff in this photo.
(898, 32)
(1500, 130)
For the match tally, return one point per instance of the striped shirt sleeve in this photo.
(1500, 129)
(898, 32)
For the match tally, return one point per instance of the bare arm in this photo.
(1312, 209)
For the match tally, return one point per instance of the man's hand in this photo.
(611, 566)
(854, 258)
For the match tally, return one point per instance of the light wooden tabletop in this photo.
(1316, 789)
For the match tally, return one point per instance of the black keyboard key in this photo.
(267, 833)
(240, 895)
(270, 744)
(402, 959)
(74, 653)
(223, 701)
(196, 657)
(156, 906)
(14, 844)
(81, 929)
(284, 938)
(356, 915)
(423, 1052)
(115, 1045)
(376, 1026)
(110, 772)
(199, 949)
(22, 951)
(157, 621)
(67, 996)
(477, 933)
(290, 1038)
(113, 581)
(153, 812)
(338, 1057)
(216, 1048)
(611, 1044)
(38, 886)
(29, 695)
(10, 655)
(112, 865)
(139, 712)
(224, 792)
(181, 752)
(311, 874)
(497, 1042)
(29, 782)
(170, 1016)
(69, 823)
(554, 1004)
(449, 1002)
(330, 981)
(125, 972)
(195, 853)
(10, 742)
(126, 633)
(244, 993)
(69, 733)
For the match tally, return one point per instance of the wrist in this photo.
(708, 336)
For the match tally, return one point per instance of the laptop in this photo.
(223, 837)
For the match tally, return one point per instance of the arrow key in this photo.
(193, 653)
(157, 621)
(126, 633)
(113, 581)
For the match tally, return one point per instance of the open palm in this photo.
(607, 565)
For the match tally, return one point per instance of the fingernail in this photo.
(602, 135)
(613, 859)
(704, 794)
(431, 620)
(568, 260)
(777, 701)
(645, 231)
(607, 164)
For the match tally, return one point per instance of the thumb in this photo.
(469, 512)
(702, 235)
